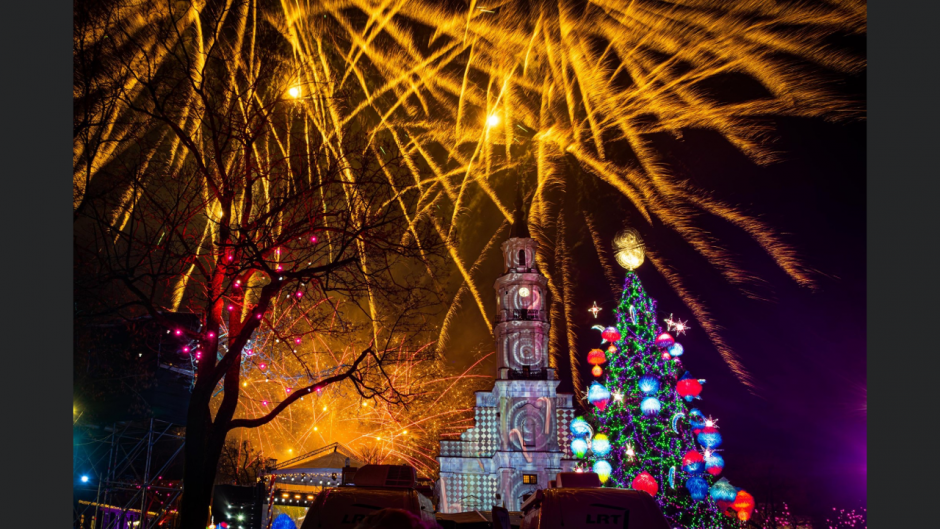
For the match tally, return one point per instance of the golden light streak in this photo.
(547, 93)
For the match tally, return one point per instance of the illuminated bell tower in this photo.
(521, 308)
(520, 438)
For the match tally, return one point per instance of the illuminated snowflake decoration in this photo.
(677, 325)
(594, 310)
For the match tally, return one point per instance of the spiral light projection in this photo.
(472, 97)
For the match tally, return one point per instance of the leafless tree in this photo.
(239, 464)
(223, 203)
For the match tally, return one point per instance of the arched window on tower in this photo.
(521, 258)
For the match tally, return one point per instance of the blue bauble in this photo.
(696, 420)
(709, 438)
(694, 468)
(579, 447)
(602, 469)
(714, 463)
(723, 490)
(676, 350)
(649, 384)
(579, 427)
(698, 487)
(650, 406)
(600, 445)
(598, 395)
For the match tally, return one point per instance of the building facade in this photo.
(520, 439)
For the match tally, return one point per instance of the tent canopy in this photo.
(318, 462)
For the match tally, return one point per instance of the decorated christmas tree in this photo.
(644, 431)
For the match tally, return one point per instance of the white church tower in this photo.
(520, 440)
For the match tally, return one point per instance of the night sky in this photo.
(800, 437)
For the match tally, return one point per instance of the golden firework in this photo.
(566, 96)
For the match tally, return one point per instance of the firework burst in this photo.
(562, 96)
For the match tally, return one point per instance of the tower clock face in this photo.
(525, 297)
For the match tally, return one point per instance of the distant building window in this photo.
(530, 479)
(522, 258)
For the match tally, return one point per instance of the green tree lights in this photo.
(651, 428)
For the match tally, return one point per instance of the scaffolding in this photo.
(129, 461)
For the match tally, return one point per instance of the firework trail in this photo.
(558, 95)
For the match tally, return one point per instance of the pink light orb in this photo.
(313, 239)
(211, 335)
(186, 349)
(231, 308)
(262, 365)
(297, 340)
(289, 390)
(179, 332)
(300, 294)
(264, 403)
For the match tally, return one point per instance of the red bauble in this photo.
(597, 371)
(691, 457)
(744, 504)
(611, 334)
(665, 340)
(596, 357)
(688, 387)
(645, 482)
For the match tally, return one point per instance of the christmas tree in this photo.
(643, 432)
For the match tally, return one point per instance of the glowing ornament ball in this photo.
(602, 469)
(580, 427)
(648, 384)
(714, 464)
(696, 420)
(650, 406)
(645, 482)
(610, 334)
(693, 462)
(676, 350)
(596, 357)
(579, 448)
(698, 487)
(629, 250)
(723, 490)
(665, 340)
(744, 505)
(688, 388)
(600, 445)
(709, 438)
(599, 396)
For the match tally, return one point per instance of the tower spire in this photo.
(520, 229)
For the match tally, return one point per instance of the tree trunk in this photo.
(201, 458)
